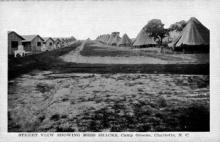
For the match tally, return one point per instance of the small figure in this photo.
(20, 52)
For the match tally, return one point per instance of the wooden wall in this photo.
(50, 47)
(34, 46)
(12, 36)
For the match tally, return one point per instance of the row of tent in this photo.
(115, 40)
(33, 44)
(193, 34)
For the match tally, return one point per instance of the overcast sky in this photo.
(84, 19)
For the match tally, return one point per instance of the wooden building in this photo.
(32, 43)
(57, 43)
(49, 43)
(14, 40)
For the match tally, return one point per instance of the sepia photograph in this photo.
(107, 66)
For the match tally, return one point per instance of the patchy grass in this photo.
(193, 117)
(135, 68)
(161, 102)
(91, 50)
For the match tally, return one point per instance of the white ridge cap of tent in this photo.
(194, 33)
(143, 39)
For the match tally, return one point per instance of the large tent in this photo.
(109, 42)
(143, 39)
(125, 41)
(194, 34)
(114, 38)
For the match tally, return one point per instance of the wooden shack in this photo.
(57, 43)
(49, 43)
(32, 43)
(14, 40)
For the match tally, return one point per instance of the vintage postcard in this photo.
(116, 70)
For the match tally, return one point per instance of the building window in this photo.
(50, 43)
(14, 44)
(38, 43)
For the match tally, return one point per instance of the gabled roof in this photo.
(55, 39)
(10, 32)
(28, 38)
(194, 33)
(47, 38)
(143, 39)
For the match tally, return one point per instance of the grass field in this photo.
(134, 68)
(43, 101)
(93, 49)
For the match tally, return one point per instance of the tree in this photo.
(178, 26)
(155, 29)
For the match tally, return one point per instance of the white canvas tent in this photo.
(103, 38)
(143, 39)
(125, 41)
(114, 38)
(193, 34)
(110, 39)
